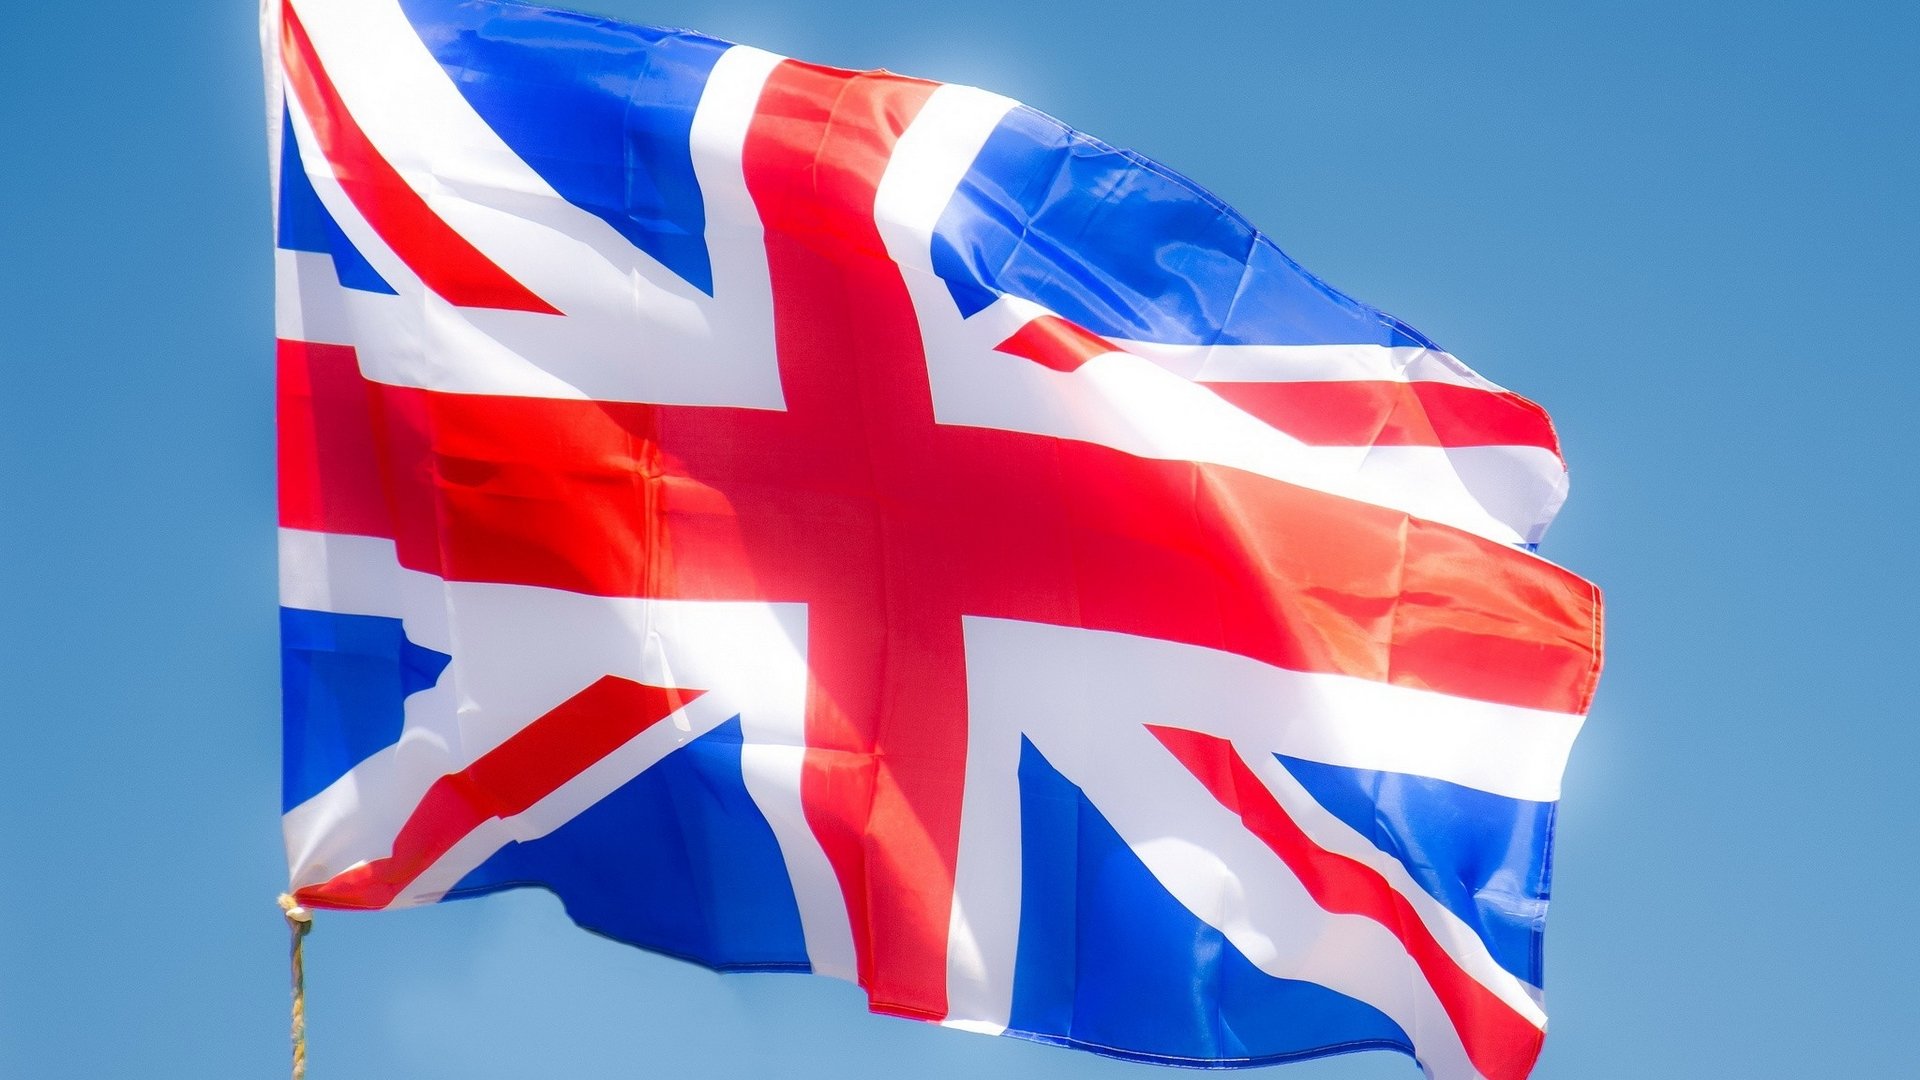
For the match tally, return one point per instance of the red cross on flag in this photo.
(829, 521)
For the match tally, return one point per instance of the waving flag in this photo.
(828, 521)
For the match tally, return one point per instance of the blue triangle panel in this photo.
(344, 682)
(679, 861)
(1110, 962)
(1128, 248)
(601, 110)
(1484, 856)
(305, 224)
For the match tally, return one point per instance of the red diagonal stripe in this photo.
(1335, 413)
(1386, 413)
(505, 781)
(443, 259)
(1501, 1043)
(1056, 343)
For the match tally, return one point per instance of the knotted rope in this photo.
(299, 921)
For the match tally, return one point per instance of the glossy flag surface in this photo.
(834, 522)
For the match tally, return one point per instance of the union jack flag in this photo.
(829, 521)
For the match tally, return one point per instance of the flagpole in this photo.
(299, 922)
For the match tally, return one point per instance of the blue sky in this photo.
(1687, 229)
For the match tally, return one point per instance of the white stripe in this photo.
(1524, 486)
(773, 762)
(983, 937)
(270, 64)
(1339, 720)
(1309, 363)
(361, 575)
(929, 159)
(521, 651)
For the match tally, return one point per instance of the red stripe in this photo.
(1386, 413)
(621, 499)
(1501, 1043)
(1355, 413)
(329, 460)
(886, 714)
(507, 780)
(1056, 343)
(443, 259)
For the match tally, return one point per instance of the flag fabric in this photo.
(828, 521)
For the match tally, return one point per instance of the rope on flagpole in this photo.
(299, 921)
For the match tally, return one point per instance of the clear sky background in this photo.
(1688, 229)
